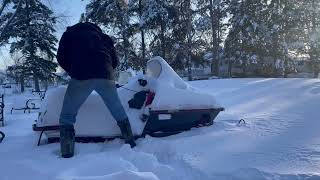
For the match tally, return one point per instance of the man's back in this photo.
(84, 54)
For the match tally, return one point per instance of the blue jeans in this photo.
(79, 90)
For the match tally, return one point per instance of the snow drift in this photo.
(281, 141)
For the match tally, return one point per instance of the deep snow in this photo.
(281, 140)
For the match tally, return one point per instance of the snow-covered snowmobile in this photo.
(158, 103)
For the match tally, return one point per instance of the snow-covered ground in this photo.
(281, 140)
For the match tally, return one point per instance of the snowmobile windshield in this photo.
(154, 68)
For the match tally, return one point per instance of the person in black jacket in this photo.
(89, 57)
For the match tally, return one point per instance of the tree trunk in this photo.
(316, 66)
(316, 69)
(143, 44)
(244, 69)
(189, 40)
(215, 41)
(36, 83)
(126, 50)
(230, 66)
(285, 70)
(21, 84)
(163, 40)
(46, 84)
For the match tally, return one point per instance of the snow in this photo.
(281, 140)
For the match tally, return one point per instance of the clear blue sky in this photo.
(71, 10)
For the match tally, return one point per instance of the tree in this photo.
(7, 18)
(136, 9)
(212, 15)
(114, 16)
(35, 40)
(157, 19)
(246, 41)
(310, 16)
(287, 29)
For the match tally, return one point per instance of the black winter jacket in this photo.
(85, 52)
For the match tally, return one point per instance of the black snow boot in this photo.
(127, 132)
(67, 141)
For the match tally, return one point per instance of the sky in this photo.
(71, 11)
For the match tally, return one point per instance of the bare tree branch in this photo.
(4, 4)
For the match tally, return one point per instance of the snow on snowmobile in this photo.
(158, 103)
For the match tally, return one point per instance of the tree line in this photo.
(265, 35)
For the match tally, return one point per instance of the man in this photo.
(89, 57)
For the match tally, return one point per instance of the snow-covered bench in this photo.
(2, 109)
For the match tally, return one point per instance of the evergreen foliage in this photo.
(33, 37)
(247, 37)
(259, 37)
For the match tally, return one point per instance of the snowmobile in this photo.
(158, 103)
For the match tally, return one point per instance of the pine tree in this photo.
(212, 15)
(115, 17)
(285, 21)
(310, 18)
(136, 10)
(245, 44)
(35, 40)
(157, 18)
